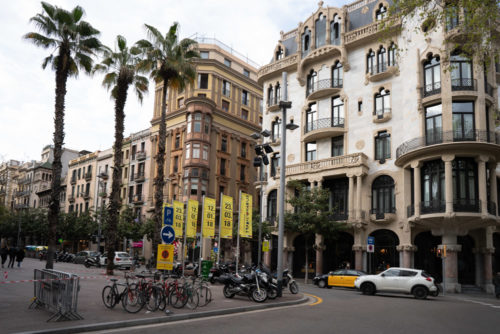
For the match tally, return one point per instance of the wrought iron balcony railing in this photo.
(434, 206)
(463, 84)
(324, 84)
(489, 89)
(437, 137)
(492, 208)
(431, 89)
(323, 123)
(466, 205)
(380, 112)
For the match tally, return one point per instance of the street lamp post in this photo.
(284, 105)
(99, 224)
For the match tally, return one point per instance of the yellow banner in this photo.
(208, 218)
(265, 246)
(226, 230)
(165, 257)
(246, 216)
(192, 218)
(178, 219)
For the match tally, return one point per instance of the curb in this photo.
(171, 318)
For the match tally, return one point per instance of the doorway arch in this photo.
(426, 255)
(385, 253)
(466, 261)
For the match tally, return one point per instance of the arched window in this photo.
(370, 62)
(382, 103)
(311, 117)
(270, 96)
(272, 206)
(277, 93)
(383, 199)
(391, 57)
(276, 127)
(337, 112)
(381, 12)
(432, 76)
(335, 30)
(279, 53)
(337, 74)
(306, 42)
(381, 60)
(320, 28)
(312, 79)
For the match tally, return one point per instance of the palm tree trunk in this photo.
(115, 203)
(160, 162)
(54, 207)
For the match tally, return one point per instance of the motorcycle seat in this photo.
(237, 280)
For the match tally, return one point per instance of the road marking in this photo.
(318, 299)
(480, 303)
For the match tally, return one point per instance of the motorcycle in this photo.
(287, 281)
(266, 280)
(92, 261)
(216, 272)
(249, 285)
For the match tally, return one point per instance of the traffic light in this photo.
(438, 253)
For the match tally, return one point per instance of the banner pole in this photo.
(220, 224)
(200, 258)
(238, 235)
(184, 238)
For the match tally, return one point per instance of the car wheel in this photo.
(420, 292)
(321, 284)
(368, 288)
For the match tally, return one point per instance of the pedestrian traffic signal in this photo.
(438, 253)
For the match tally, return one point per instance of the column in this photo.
(319, 247)
(448, 178)
(450, 272)
(351, 197)
(358, 257)
(406, 252)
(291, 250)
(267, 255)
(481, 180)
(493, 186)
(358, 197)
(478, 270)
(488, 270)
(416, 187)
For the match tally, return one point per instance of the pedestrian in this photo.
(20, 256)
(496, 282)
(12, 257)
(3, 253)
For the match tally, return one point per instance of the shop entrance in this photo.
(426, 255)
(338, 253)
(385, 254)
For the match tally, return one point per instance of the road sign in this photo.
(370, 248)
(165, 258)
(371, 241)
(167, 234)
(265, 246)
(216, 249)
(168, 215)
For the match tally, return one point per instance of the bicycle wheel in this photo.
(132, 300)
(153, 297)
(108, 297)
(204, 294)
(178, 298)
(162, 305)
(192, 298)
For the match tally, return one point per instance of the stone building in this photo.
(400, 130)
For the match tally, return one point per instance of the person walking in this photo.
(20, 256)
(12, 257)
(3, 253)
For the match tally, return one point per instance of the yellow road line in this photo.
(318, 299)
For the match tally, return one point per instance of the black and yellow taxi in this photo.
(341, 277)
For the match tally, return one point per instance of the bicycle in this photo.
(203, 291)
(111, 295)
(149, 291)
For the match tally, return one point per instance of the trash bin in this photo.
(205, 268)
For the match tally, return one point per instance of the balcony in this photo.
(137, 200)
(323, 88)
(489, 89)
(340, 216)
(463, 84)
(273, 103)
(466, 205)
(86, 195)
(71, 198)
(492, 208)
(313, 56)
(103, 175)
(139, 177)
(382, 115)
(345, 161)
(431, 89)
(382, 216)
(434, 206)
(381, 71)
(323, 128)
(21, 206)
(73, 180)
(140, 155)
(88, 176)
(435, 140)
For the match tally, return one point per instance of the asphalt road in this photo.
(347, 311)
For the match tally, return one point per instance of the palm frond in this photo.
(109, 80)
(121, 42)
(49, 9)
(63, 17)
(44, 23)
(153, 33)
(85, 29)
(47, 60)
(77, 13)
(84, 61)
(73, 68)
(40, 40)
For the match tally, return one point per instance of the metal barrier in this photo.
(57, 292)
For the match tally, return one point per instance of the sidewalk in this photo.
(16, 297)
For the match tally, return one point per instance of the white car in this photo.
(122, 260)
(400, 280)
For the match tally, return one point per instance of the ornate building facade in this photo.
(400, 130)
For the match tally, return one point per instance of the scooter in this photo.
(287, 281)
(92, 261)
(216, 272)
(250, 285)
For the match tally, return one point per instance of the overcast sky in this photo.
(27, 92)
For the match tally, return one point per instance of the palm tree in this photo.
(170, 62)
(120, 67)
(74, 41)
